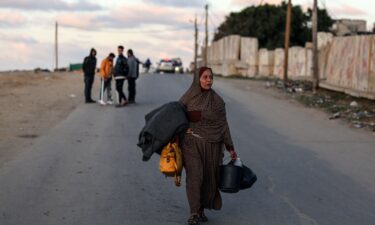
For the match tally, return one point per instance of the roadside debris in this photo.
(269, 84)
(357, 111)
(335, 116)
(354, 104)
(357, 125)
(372, 126)
(40, 70)
(299, 90)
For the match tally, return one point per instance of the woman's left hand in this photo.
(233, 154)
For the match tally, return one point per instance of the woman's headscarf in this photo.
(213, 125)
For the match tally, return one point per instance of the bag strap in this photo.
(177, 180)
(176, 140)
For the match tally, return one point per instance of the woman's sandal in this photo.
(202, 217)
(194, 219)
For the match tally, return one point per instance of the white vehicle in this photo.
(165, 65)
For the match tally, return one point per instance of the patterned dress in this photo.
(203, 145)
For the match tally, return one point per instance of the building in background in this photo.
(347, 27)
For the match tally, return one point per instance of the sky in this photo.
(152, 28)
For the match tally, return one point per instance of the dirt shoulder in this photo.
(32, 103)
(357, 113)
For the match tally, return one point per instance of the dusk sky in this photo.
(152, 28)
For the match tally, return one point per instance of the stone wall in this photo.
(266, 62)
(350, 65)
(345, 63)
(249, 56)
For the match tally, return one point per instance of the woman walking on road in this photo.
(202, 146)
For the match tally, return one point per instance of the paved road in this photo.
(88, 170)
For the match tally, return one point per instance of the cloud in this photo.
(348, 11)
(147, 14)
(244, 3)
(136, 16)
(18, 38)
(56, 5)
(176, 3)
(18, 55)
(8, 19)
(153, 31)
(85, 22)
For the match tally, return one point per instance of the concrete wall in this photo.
(249, 56)
(371, 77)
(223, 55)
(278, 67)
(345, 63)
(266, 60)
(297, 62)
(232, 46)
(350, 64)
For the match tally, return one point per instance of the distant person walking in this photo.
(89, 67)
(121, 73)
(133, 63)
(147, 65)
(106, 71)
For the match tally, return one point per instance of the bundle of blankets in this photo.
(162, 125)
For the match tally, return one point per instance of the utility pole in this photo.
(315, 47)
(56, 48)
(287, 39)
(195, 44)
(206, 38)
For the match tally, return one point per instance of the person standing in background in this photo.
(106, 71)
(89, 67)
(121, 73)
(147, 65)
(133, 63)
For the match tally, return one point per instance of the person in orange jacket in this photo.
(106, 71)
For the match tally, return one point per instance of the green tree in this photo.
(267, 23)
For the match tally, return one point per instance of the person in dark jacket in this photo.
(89, 67)
(133, 75)
(147, 65)
(121, 73)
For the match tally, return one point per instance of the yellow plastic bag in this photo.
(171, 161)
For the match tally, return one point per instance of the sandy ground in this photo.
(331, 104)
(32, 103)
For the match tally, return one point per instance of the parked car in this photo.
(170, 66)
(165, 65)
(177, 64)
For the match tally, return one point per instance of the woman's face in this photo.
(206, 80)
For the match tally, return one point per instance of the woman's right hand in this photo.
(233, 155)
